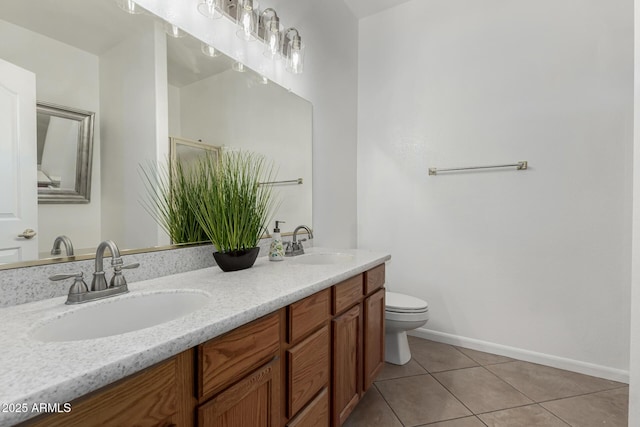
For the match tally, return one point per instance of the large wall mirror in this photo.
(145, 88)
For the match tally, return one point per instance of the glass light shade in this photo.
(272, 36)
(239, 67)
(173, 30)
(129, 6)
(295, 57)
(263, 80)
(210, 8)
(209, 50)
(247, 19)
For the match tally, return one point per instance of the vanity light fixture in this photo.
(173, 30)
(263, 80)
(247, 19)
(209, 50)
(270, 26)
(293, 50)
(210, 8)
(129, 6)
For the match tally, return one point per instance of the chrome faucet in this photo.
(99, 282)
(79, 292)
(68, 246)
(295, 247)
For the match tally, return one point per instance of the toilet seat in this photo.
(406, 304)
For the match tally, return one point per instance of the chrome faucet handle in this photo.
(118, 279)
(78, 287)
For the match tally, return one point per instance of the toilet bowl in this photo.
(402, 313)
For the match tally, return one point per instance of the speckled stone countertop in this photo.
(34, 372)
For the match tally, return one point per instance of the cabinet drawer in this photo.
(373, 279)
(347, 293)
(308, 314)
(226, 359)
(316, 414)
(308, 369)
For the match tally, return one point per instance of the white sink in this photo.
(119, 315)
(323, 258)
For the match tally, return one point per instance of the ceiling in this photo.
(364, 8)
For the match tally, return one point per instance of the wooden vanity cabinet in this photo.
(306, 365)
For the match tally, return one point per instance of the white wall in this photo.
(634, 390)
(329, 31)
(65, 76)
(134, 131)
(231, 109)
(174, 111)
(533, 263)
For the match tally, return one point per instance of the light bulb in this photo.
(129, 6)
(209, 50)
(295, 57)
(272, 41)
(173, 30)
(209, 9)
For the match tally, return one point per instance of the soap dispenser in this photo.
(276, 251)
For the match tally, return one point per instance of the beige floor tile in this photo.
(438, 357)
(460, 422)
(420, 400)
(480, 390)
(391, 371)
(525, 416)
(606, 408)
(484, 358)
(372, 410)
(542, 383)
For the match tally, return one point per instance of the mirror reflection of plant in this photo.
(168, 190)
(231, 207)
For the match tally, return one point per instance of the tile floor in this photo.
(447, 386)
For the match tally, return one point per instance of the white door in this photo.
(18, 171)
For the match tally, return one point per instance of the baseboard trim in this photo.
(526, 355)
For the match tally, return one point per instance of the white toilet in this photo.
(402, 313)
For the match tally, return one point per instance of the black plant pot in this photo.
(236, 260)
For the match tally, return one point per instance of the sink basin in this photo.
(323, 258)
(119, 315)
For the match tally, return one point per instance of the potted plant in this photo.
(168, 189)
(232, 207)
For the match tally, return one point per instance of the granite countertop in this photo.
(34, 372)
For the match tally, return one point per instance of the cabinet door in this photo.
(316, 413)
(151, 398)
(308, 370)
(254, 401)
(346, 364)
(373, 335)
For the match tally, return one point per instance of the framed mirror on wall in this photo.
(65, 153)
(188, 153)
(143, 86)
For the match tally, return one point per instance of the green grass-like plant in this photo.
(169, 188)
(230, 205)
